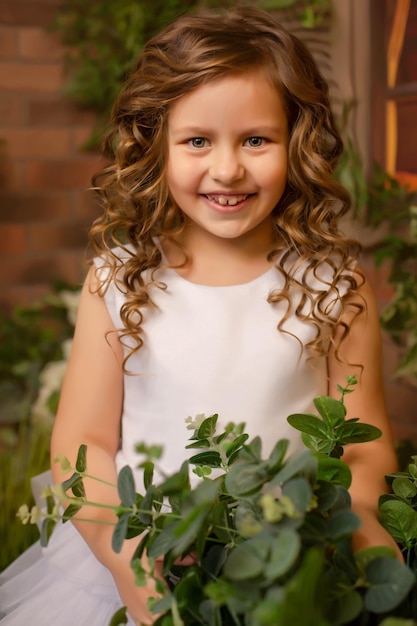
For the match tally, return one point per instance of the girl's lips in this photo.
(227, 202)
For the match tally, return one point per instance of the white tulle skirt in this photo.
(61, 585)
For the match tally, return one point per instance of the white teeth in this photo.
(227, 200)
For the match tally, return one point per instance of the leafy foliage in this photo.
(380, 200)
(24, 453)
(270, 536)
(29, 339)
(400, 249)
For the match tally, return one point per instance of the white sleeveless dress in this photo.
(206, 350)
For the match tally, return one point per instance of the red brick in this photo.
(10, 172)
(28, 207)
(36, 77)
(391, 356)
(22, 296)
(13, 110)
(81, 138)
(8, 42)
(71, 174)
(42, 270)
(36, 143)
(36, 44)
(28, 12)
(378, 278)
(47, 237)
(87, 204)
(55, 110)
(41, 3)
(14, 239)
(402, 402)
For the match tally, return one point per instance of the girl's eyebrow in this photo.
(249, 132)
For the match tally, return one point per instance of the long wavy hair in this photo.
(138, 209)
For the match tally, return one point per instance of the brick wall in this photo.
(45, 208)
(401, 393)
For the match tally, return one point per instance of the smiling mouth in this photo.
(228, 200)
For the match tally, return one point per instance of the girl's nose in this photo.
(226, 166)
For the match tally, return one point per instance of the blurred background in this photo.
(61, 62)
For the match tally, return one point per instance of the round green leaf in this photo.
(347, 606)
(119, 533)
(356, 432)
(81, 463)
(119, 618)
(327, 495)
(277, 455)
(236, 444)
(164, 542)
(207, 427)
(400, 520)
(300, 493)
(367, 555)
(47, 528)
(334, 471)
(177, 483)
(244, 479)
(390, 582)
(343, 524)
(301, 463)
(70, 511)
(404, 487)
(247, 560)
(309, 424)
(126, 486)
(284, 553)
(332, 411)
(210, 458)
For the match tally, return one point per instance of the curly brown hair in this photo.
(193, 50)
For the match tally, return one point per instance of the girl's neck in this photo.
(214, 261)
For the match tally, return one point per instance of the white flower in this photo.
(35, 515)
(26, 516)
(195, 423)
(64, 462)
(71, 300)
(23, 514)
(51, 379)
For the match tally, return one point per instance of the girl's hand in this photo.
(136, 598)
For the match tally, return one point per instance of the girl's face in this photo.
(227, 155)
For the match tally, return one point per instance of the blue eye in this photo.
(198, 142)
(255, 142)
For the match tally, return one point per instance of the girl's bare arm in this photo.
(89, 413)
(369, 462)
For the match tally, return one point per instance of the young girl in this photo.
(221, 283)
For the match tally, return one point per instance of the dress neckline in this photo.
(250, 283)
(166, 267)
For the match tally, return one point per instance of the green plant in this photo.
(30, 339)
(33, 343)
(395, 205)
(271, 536)
(105, 37)
(399, 512)
(25, 454)
(380, 200)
